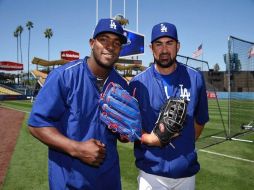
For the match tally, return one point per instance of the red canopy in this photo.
(10, 66)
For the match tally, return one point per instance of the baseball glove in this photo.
(170, 121)
(120, 112)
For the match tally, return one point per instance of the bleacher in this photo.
(40, 76)
(8, 91)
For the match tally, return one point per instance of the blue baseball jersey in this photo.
(68, 101)
(152, 91)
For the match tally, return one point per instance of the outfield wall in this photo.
(236, 95)
(13, 97)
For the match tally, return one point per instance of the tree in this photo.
(29, 25)
(216, 67)
(20, 30)
(48, 34)
(16, 35)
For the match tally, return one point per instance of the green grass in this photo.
(28, 167)
(19, 105)
(219, 173)
(129, 172)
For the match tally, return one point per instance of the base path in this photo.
(10, 125)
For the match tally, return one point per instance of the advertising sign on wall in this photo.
(69, 55)
(10, 66)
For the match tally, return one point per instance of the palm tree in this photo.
(16, 35)
(48, 34)
(20, 30)
(29, 25)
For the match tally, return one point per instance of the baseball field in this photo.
(225, 164)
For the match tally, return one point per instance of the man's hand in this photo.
(152, 139)
(91, 152)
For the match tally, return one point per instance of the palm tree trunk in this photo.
(48, 52)
(18, 59)
(17, 49)
(28, 73)
(48, 49)
(20, 49)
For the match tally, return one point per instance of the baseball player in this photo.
(66, 116)
(172, 166)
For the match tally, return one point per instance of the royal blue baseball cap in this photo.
(111, 26)
(164, 29)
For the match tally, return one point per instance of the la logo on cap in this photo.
(112, 24)
(163, 28)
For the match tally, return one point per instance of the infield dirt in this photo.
(10, 124)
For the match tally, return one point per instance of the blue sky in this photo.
(209, 22)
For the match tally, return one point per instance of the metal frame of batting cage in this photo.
(216, 97)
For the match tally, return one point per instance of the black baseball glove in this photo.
(170, 121)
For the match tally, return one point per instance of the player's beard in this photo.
(168, 64)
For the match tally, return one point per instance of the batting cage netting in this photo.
(217, 107)
(240, 79)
